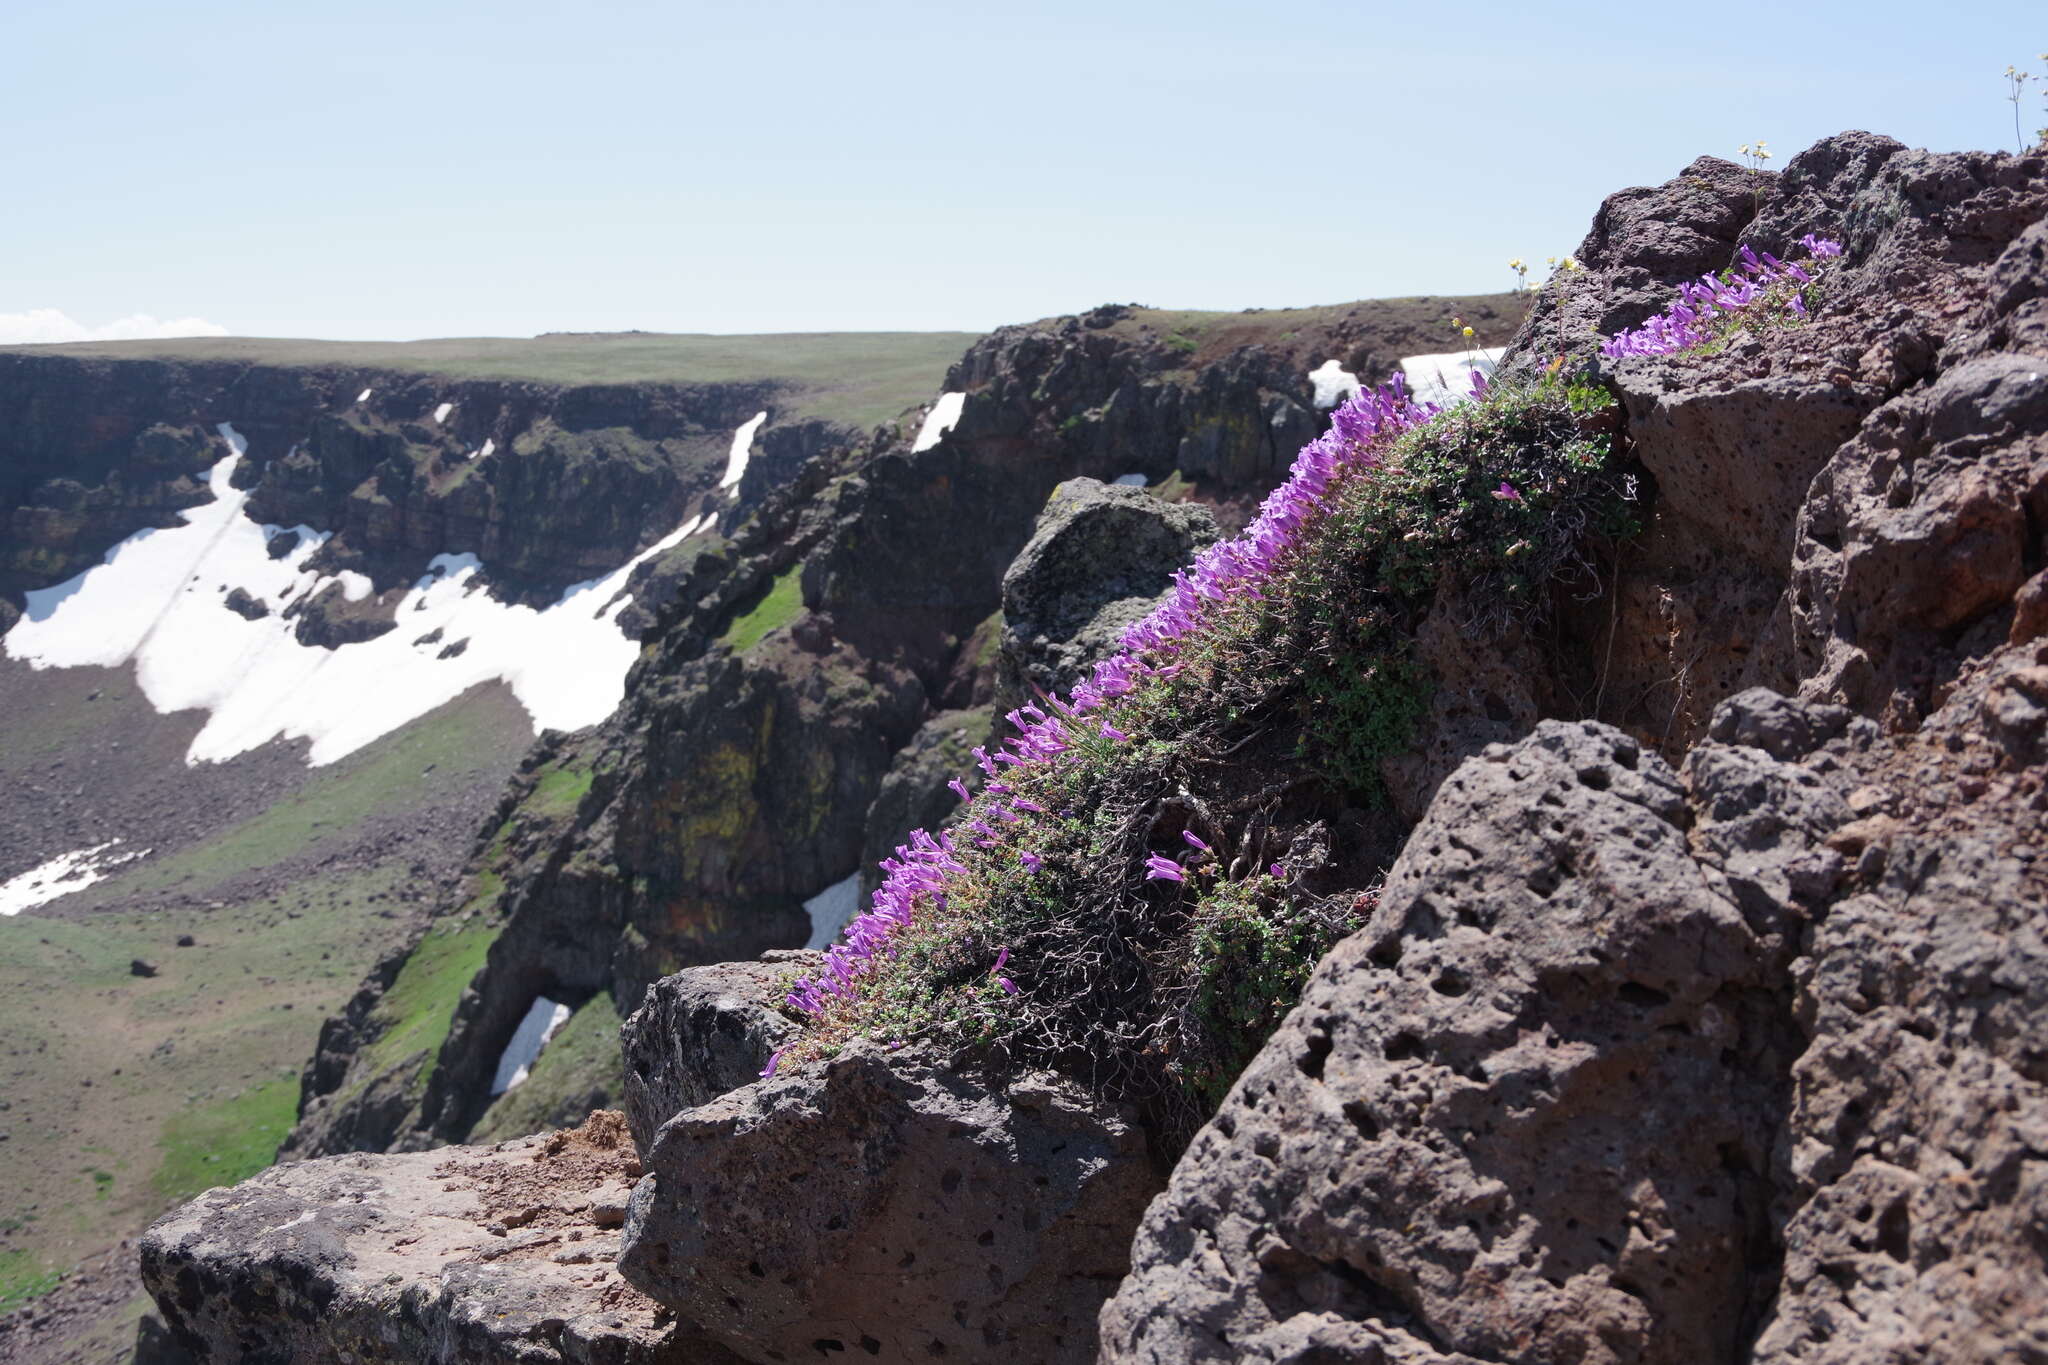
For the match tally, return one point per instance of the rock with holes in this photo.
(886, 1206)
(1919, 528)
(1525, 1114)
(704, 1031)
(463, 1256)
(1915, 1189)
(1643, 241)
(1095, 565)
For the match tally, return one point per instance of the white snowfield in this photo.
(160, 597)
(1334, 384)
(1447, 378)
(441, 413)
(62, 875)
(543, 1018)
(831, 908)
(742, 451)
(944, 416)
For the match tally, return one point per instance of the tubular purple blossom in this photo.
(1507, 493)
(1159, 867)
(1703, 302)
(916, 879)
(1193, 840)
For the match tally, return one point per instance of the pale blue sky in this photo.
(414, 169)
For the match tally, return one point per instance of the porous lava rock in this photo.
(1526, 1114)
(883, 1205)
(482, 1256)
(1096, 563)
(704, 1031)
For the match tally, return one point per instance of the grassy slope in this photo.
(856, 378)
(124, 1095)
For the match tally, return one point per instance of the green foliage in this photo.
(24, 1276)
(418, 1009)
(561, 788)
(1251, 950)
(1183, 343)
(779, 606)
(226, 1141)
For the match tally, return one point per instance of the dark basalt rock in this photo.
(706, 1031)
(243, 605)
(893, 1208)
(1544, 1078)
(1096, 564)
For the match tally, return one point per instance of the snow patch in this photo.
(159, 600)
(742, 451)
(1334, 384)
(363, 397)
(830, 909)
(1447, 378)
(488, 447)
(1130, 481)
(441, 413)
(944, 416)
(62, 875)
(543, 1019)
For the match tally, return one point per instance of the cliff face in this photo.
(802, 654)
(574, 479)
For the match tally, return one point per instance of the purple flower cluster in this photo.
(919, 872)
(1233, 568)
(1704, 302)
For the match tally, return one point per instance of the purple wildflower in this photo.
(959, 788)
(1159, 867)
(1701, 303)
(1278, 870)
(1032, 862)
(1009, 986)
(774, 1058)
(1193, 840)
(1111, 732)
(1507, 493)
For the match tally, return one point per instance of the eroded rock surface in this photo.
(472, 1255)
(1096, 564)
(894, 1209)
(1448, 1147)
(704, 1031)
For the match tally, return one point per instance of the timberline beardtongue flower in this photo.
(959, 788)
(774, 1059)
(1194, 841)
(1507, 493)
(1701, 303)
(1032, 862)
(1161, 868)
(917, 878)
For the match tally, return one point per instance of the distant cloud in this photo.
(49, 324)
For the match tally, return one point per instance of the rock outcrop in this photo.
(482, 1256)
(1451, 1145)
(1095, 565)
(1801, 1137)
(706, 1031)
(884, 1205)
